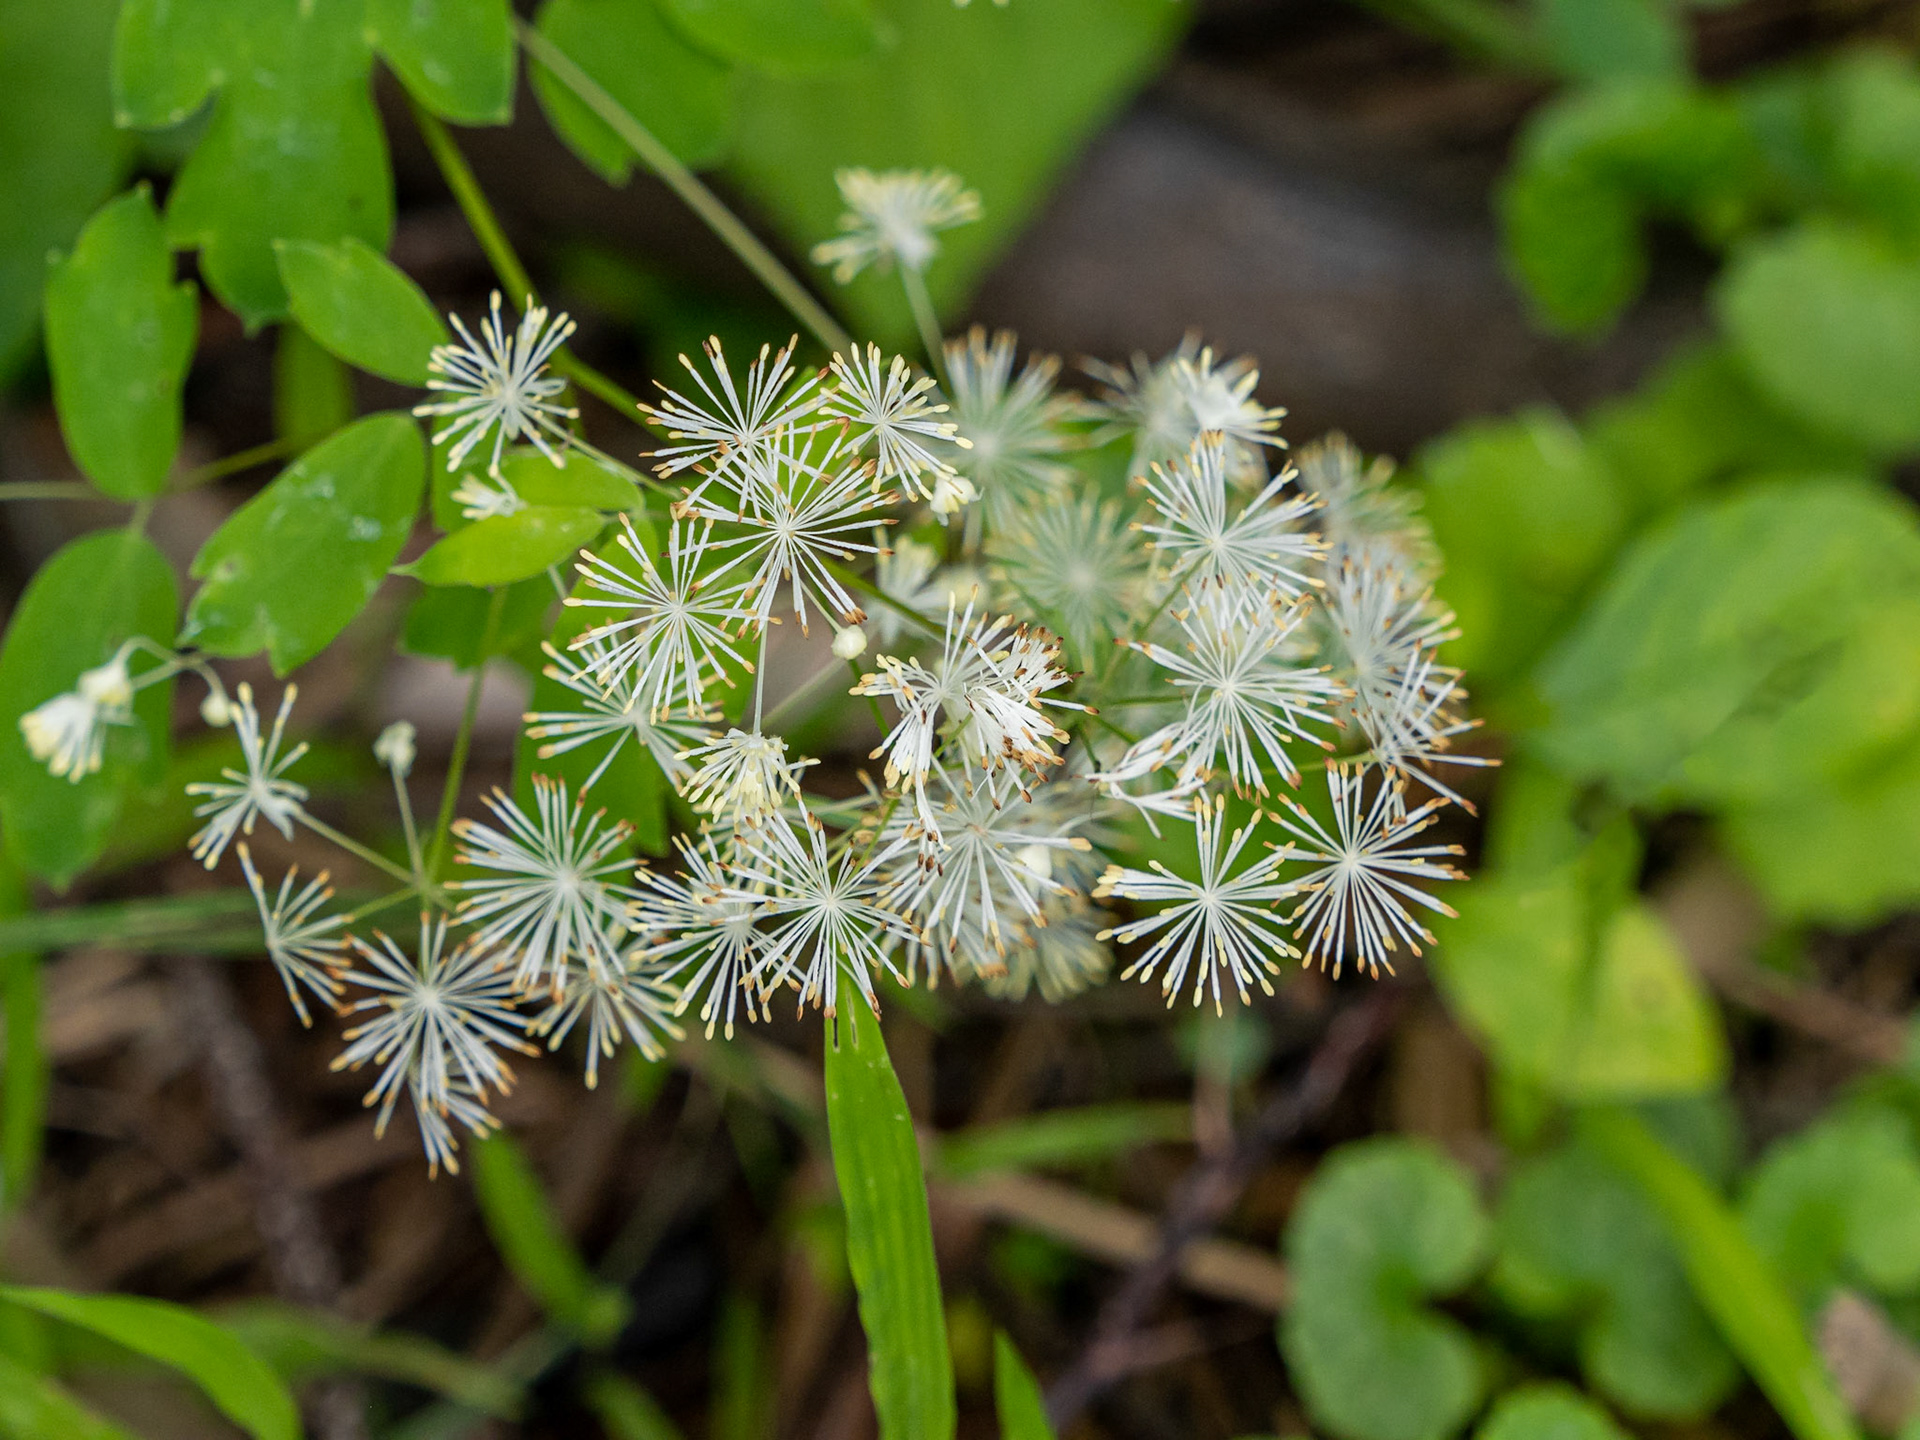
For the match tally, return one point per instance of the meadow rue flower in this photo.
(1075, 560)
(1381, 628)
(396, 748)
(1367, 521)
(1219, 398)
(742, 776)
(728, 424)
(549, 899)
(439, 1022)
(1222, 922)
(849, 643)
(626, 999)
(1009, 430)
(68, 733)
(1260, 548)
(306, 948)
(1060, 959)
(1358, 896)
(458, 1105)
(1414, 735)
(479, 500)
(891, 218)
(242, 796)
(699, 925)
(896, 414)
(499, 386)
(614, 708)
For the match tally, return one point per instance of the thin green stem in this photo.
(463, 741)
(354, 847)
(926, 321)
(50, 490)
(375, 906)
(240, 460)
(504, 259)
(867, 587)
(801, 697)
(414, 856)
(691, 190)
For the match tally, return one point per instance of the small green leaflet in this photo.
(454, 56)
(504, 548)
(361, 306)
(1547, 1412)
(333, 522)
(232, 1376)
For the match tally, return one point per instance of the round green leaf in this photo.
(1383, 1225)
(681, 95)
(294, 564)
(1829, 320)
(96, 593)
(783, 37)
(504, 548)
(454, 56)
(119, 340)
(1547, 1412)
(361, 306)
(232, 1376)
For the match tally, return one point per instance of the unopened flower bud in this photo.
(216, 709)
(952, 493)
(395, 748)
(849, 643)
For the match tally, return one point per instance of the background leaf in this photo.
(361, 306)
(344, 509)
(1061, 1137)
(782, 37)
(25, 1073)
(876, 1160)
(1547, 1412)
(1017, 1400)
(456, 57)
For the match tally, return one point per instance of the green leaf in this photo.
(1016, 1395)
(341, 512)
(536, 1249)
(1829, 321)
(1839, 1203)
(1751, 646)
(454, 56)
(681, 95)
(96, 593)
(1573, 241)
(35, 1408)
(447, 623)
(312, 391)
(626, 1411)
(1526, 515)
(1598, 40)
(741, 1407)
(1381, 1226)
(1062, 1137)
(1744, 1297)
(504, 548)
(24, 1070)
(1579, 1242)
(782, 37)
(294, 149)
(60, 155)
(233, 1377)
(119, 340)
(1547, 1412)
(300, 1344)
(1005, 97)
(361, 306)
(876, 1160)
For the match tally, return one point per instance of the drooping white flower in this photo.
(1222, 922)
(671, 643)
(1077, 566)
(610, 709)
(1246, 697)
(625, 999)
(550, 900)
(241, 797)
(727, 425)
(824, 922)
(702, 922)
(479, 500)
(1260, 548)
(891, 218)
(1012, 429)
(306, 949)
(439, 1023)
(742, 776)
(894, 413)
(499, 385)
(68, 733)
(1358, 897)
(805, 506)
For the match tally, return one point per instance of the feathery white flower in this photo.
(1357, 899)
(1260, 549)
(1011, 428)
(672, 643)
(1060, 959)
(904, 573)
(305, 949)
(1366, 520)
(236, 801)
(1415, 734)
(1220, 398)
(480, 501)
(1166, 404)
(68, 733)
(1077, 565)
(695, 922)
(1219, 922)
(623, 999)
(894, 413)
(499, 385)
(1383, 628)
(439, 1023)
(550, 900)
(728, 424)
(891, 217)
(611, 709)
(825, 922)
(742, 776)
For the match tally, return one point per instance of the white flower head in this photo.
(241, 797)
(1165, 405)
(622, 1000)
(1220, 924)
(68, 733)
(1259, 548)
(306, 949)
(1413, 737)
(1381, 628)
(1079, 568)
(458, 1106)
(437, 1028)
(1010, 430)
(396, 747)
(1367, 521)
(1358, 897)
(951, 494)
(904, 572)
(742, 776)
(1219, 398)
(499, 385)
(611, 709)
(726, 425)
(895, 414)
(891, 218)
(696, 923)
(479, 500)
(1060, 959)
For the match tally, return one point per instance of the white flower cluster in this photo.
(1064, 668)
